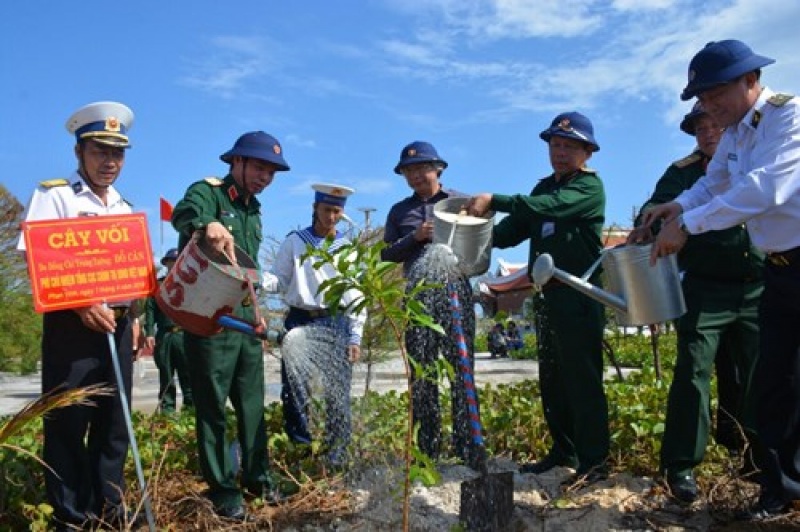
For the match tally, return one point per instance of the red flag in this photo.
(166, 210)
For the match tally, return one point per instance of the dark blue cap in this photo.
(572, 125)
(720, 62)
(171, 254)
(418, 152)
(257, 145)
(687, 124)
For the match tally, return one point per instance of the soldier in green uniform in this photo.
(564, 216)
(722, 285)
(165, 339)
(230, 364)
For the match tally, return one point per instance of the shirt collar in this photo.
(237, 193)
(81, 188)
(749, 121)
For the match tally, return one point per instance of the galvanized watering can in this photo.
(468, 237)
(639, 293)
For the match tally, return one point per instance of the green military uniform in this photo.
(565, 219)
(722, 286)
(169, 356)
(228, 364)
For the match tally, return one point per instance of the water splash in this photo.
(320, 375)
(438, 265)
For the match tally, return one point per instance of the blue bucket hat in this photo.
(687, 124)
(572, 125)
(418, 152)
(720, 62)
(257, 145)
(171, 254)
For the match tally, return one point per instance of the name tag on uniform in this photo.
(733, 157)
(548, 228)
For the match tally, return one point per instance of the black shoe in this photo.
(544, 465)
(683, 488)
(232, 513)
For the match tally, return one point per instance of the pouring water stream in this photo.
(461, 214)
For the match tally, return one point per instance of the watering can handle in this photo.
(593, 267)
(250, 288)
(240, 325)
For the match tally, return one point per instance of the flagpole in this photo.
(161, 201)
(161, 239)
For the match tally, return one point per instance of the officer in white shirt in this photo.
(85, 446)
(754, 178)
(299, 281)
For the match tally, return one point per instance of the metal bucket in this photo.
(204, 285)
(472, 238)
(652, 294)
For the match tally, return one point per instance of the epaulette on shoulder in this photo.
(52, 183)
(214, 181)
(779, 99)
(686, 161)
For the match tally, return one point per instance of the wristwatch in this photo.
(682, 224)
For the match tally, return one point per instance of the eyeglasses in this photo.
(108, 154)
(419, 167)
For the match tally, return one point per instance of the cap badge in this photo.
(412, 152)
(276, 149)
(564, 125)
(112, 124)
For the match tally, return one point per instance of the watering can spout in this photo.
(544, 270)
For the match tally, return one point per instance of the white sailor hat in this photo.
(104, 122)
(331, 194)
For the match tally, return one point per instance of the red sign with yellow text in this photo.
(75, 262)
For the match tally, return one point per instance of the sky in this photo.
(345, 84)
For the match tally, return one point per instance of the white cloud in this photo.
(542, 18)
(583, 53)
(231, 65)
(642, 5)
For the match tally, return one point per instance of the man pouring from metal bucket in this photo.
(563, 216)
(225, 213)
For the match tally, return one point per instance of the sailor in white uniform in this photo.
(299, 281)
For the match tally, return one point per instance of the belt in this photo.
(120, 312)
(312, 313)
(785, 258)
